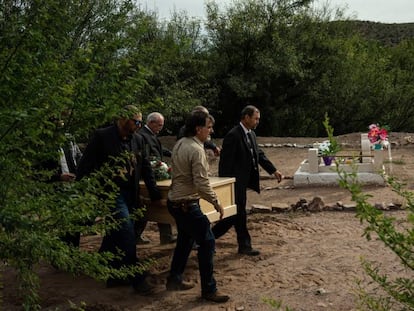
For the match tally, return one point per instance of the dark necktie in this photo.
(249, 141)
(250, 144)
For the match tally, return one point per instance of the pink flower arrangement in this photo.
(377, 134)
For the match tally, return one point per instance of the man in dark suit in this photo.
(150, 131)
(208, 144)
(240, 158)
(106, 147)
(63, 168)
(154, 149)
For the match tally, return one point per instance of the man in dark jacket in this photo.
(154, 149)
(63, 168)
(208, 144)
(240, 158)
(150, 131)
(106, 146)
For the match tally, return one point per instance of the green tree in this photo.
(57, 59)
(254, 58)
(294, 62)
(400, 112)
(173, 56)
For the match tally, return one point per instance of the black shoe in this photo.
(249, 252)
(143, 288)
(168, 240)
(110, 283)
(178, 286)
(142, 241)
(215, 297)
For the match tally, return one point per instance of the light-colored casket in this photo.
(222, 186)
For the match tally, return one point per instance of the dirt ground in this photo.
(308, 261)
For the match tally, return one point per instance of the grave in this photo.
(367, 163)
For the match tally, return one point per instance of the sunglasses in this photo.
(138, 123)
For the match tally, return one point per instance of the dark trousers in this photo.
(193, 225)
(239, 221)
(123, 237)
(166, 234)
(165, 230)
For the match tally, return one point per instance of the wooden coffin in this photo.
(222, 186)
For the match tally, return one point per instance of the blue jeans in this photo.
(123, 237)
(193, 225)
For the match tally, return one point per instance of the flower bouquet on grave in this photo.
(378, 136)
(327, 152)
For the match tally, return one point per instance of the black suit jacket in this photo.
(105, 144)
(72, 159)
(236, 160)
(153, 147)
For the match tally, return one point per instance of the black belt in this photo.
(185, 205)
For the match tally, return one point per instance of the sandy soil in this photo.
(308, 261)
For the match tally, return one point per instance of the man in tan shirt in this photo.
(190, 183)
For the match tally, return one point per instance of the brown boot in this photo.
(215, 297)
(178, 286)
(143, 288)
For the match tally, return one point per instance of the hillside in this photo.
(388, 34)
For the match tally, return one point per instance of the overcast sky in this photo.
(385, 11)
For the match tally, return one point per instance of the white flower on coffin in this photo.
(161, 169)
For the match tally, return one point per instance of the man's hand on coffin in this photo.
(219, 209)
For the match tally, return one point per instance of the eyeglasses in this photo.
(138, 123)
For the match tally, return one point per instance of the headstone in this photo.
(365, 148)
(313, 160)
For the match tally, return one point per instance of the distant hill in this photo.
(388, 34)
